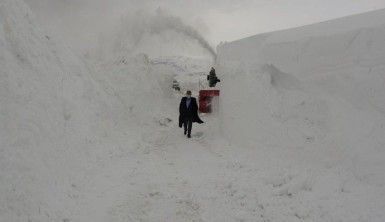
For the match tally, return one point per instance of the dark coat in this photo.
(212, 72)
(190, 112)
(212, 78)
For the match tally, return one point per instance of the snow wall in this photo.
(317, 90)
(58, 116)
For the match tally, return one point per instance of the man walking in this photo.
(188, 113)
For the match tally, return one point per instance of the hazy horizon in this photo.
(83, 21)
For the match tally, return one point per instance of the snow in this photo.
(50, 111)
(315, 95)
(297, 135)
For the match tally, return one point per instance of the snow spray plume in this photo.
(162, 22)
(138, 26)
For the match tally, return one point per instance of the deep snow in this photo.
(315, 95)
(296, 137)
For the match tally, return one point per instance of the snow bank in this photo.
(144, 89)
(314, 93)
(315, 68)
(57, 115)
(49, 112)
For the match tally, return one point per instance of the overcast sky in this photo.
(218, 20)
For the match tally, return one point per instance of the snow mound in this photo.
(314, 94)
(57, 115)
(341, 68)
(50, 110)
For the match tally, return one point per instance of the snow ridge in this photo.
(316, 94)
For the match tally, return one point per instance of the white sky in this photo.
(238, 19)
(218, 20)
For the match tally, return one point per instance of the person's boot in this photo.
(185, 132)
(188, 136)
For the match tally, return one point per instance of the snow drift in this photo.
(57, 115)
(50, 111)
(317, 93)
(337, 63)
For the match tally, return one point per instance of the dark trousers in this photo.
(187, 124)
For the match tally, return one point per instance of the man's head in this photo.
(188, 93)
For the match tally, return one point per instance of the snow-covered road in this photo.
(293, 138)
(164, 176)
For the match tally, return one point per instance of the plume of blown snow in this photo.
(162, 22)
(137, 30)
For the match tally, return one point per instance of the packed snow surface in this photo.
(298, 134)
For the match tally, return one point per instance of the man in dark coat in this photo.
(188, 113)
